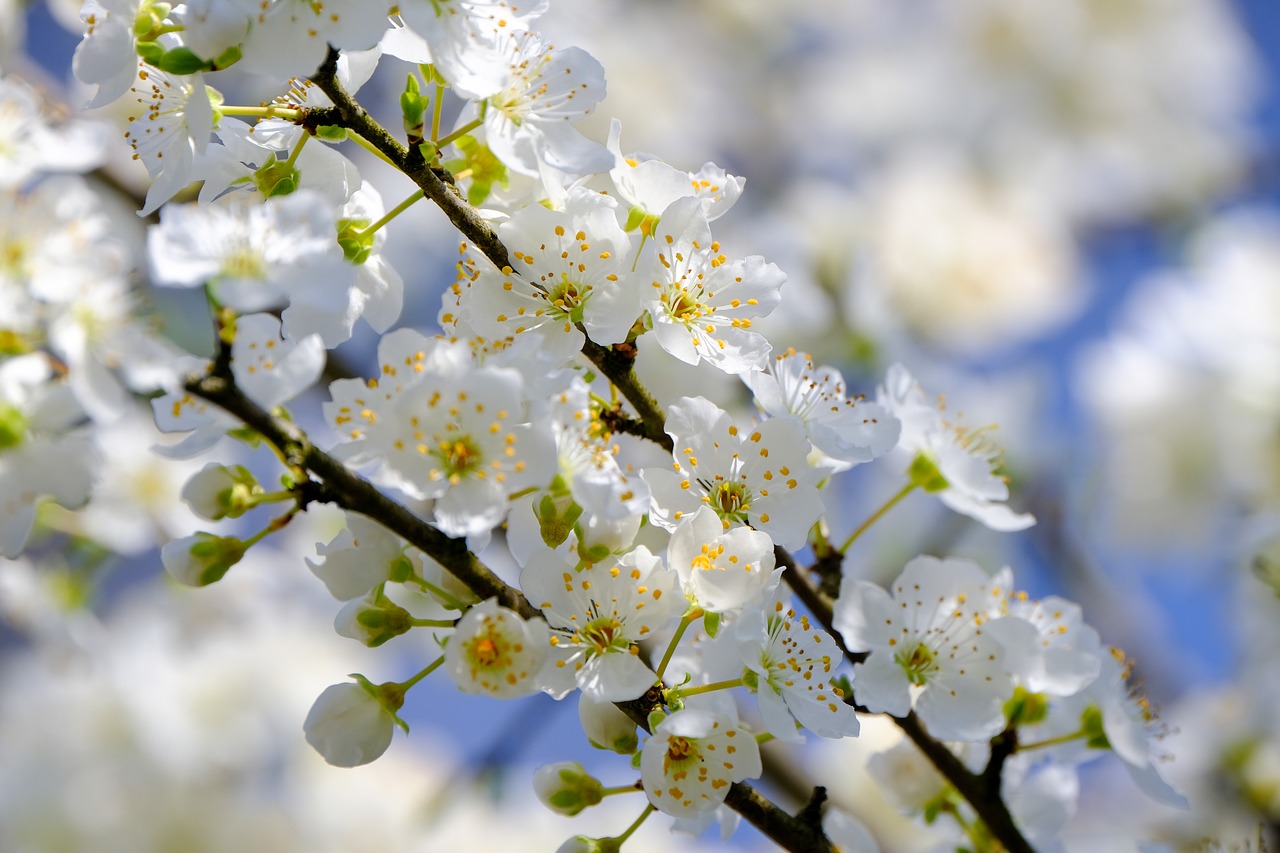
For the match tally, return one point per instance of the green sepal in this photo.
(924, 473)
(355, 239)
(1095, 736)
(711, 623)
(276, 178)
(655, 717)
(150, 52)
(486, 169)
(1025, 708)
(635, 216)
(751, 679)
(401, 569)
(13, 426)
(227, 58)
(182, 60)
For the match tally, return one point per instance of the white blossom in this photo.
(929, 649)
(691, 759)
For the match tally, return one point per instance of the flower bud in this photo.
(606, 726)
(372, 620)
(587, 844)
(566, 788)
(202, 558)
(350, 724)
(221, 491)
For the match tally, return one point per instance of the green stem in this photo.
(297, 149)
(648, 810)
(371, 148)
(877, 515)
(450, 601)
(435, 111)
(621, 789)
(684, 692)
(430, 668)
(272, 111)
(1053, 741)
(462, 131)
(273, 497)
(688, 619)
(431, 623)
(276, 523)
(395, 211)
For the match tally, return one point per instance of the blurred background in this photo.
(1064, 214)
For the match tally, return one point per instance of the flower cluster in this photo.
(652, 539)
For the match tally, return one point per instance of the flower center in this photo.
(731, 501)
(568, 298)
(458, 456)
(679, 749)
(917, 664)
(683, 307)
(604, 634)
(244, 262)
(484, 651)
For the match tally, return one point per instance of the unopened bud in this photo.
(202, 558)
(221, 491)
(372, 620)
(606, 726)
(566, 788)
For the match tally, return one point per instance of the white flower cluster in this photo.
(653, 549)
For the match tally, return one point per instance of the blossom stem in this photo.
(431, 623)
(682, 692)
(270, 111)
(430, 668)
(435, 111)
(1053, 741)
(462, 131)
(395, 211)
(276, 523)
(297, 149)
(274, 497)
(621, 789)
(687, 620)
(877, 515)
(446, 599)
(371, 148)
(764, 737)
(630, 830)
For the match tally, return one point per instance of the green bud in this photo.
(414, 108)
(925, 474)
(567, 788)
(373, 622)
(201, 559)
(332, 133)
